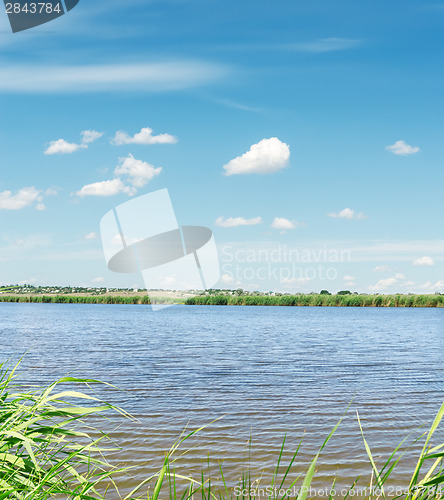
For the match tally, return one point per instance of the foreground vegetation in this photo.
(45, 455)
(339, 300)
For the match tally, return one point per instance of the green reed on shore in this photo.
(314, 300)
(320, 300)
(89, 299)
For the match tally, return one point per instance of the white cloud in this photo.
(265, 157)
(105, 188)
(347, 213)
(387, 282)
(424, 261)
(402, 148)
(25, 197)
(99, 279)
(284, 224)
(145, 136)
(439, 285)
(168, 280)
(62, 147)
(144, 77)
(381, 269)
(89, 136)
(91, 236)
(349, 278)
(227, 279)
(426, 286)
(349, 284)
(294, 281)
(238, 221)
(51, 192)
(383, 284)
(138, 172)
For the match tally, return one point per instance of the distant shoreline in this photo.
(311, 300)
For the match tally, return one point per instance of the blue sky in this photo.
(336, 83)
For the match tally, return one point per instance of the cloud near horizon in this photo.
(237, 221)
(265, 157)
(145, 136)
(347, 213)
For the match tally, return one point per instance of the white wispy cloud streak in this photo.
(322, 45)
(143, 77)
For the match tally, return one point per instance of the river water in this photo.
(267, 371)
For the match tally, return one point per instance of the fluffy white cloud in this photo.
(402, 148)
(91, 236)
(25, 197)
(62, 147)
(347, 213)
(105, 188)
(387, 282)
(145, 136)
(237, 221)
(383, 284)
(89, 136)
(265, 157)
(138, 172)
(100, 279)
(381, 269)
(284, 224)
(424, 261)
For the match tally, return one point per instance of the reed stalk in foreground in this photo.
(44, 455)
